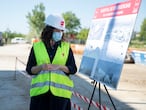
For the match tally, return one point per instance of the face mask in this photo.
(57, 36)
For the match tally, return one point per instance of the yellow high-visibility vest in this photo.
(56, 81)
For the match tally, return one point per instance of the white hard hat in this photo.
(55, 21)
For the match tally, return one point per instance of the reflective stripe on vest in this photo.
(59, 83)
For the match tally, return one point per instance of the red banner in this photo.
(119, 9)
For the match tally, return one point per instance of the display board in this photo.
(108, 39)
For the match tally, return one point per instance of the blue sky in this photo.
(13, 13)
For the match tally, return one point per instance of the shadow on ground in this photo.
(14, 92)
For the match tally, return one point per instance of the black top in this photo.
(51, 52)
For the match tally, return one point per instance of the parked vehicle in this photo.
(18, 40)
(1, 39)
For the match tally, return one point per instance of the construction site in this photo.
(15, 84)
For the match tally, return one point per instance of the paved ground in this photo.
(14, 86)
(13, 96)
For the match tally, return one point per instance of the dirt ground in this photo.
(131, 88)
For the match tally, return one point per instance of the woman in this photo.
(51, 62)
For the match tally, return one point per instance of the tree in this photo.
(8, 34)
(72, 22)
(36, 19)
(83, 34)
(143, 31)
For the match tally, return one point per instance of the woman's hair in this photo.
(46, 35)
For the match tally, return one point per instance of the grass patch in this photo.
(137, 44)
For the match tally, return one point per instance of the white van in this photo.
(18, 40)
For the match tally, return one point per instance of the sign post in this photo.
(108, 39)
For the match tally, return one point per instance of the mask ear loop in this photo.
(61, 34)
